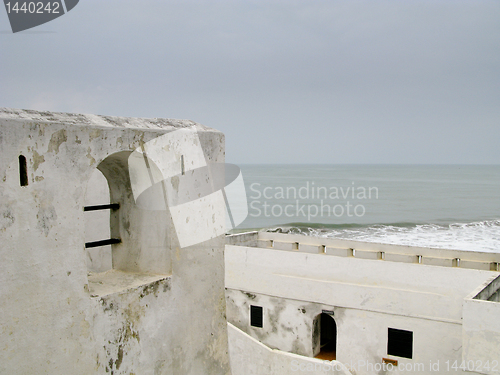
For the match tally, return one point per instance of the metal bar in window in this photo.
(112, 206)
(111, 241)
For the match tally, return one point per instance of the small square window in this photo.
(400, 343)
(256, 316)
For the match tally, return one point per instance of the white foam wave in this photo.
(475, 236)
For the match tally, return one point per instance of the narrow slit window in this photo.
(400, 343)
(256, 316)
(23, 171)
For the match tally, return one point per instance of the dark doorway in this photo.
(328, 337)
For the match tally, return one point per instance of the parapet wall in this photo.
(368, 250)
(250, 357)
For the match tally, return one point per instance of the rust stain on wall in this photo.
(56, 140)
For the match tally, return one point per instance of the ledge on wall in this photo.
(115, 281)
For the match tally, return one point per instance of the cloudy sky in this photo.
(287, 81)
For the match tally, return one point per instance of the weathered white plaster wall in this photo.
(287, 323)
(250, 357)
(362, 342)
(164, 311)
(481, 335)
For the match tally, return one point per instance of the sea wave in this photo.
(473, 236)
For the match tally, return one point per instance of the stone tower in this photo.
(133, 303)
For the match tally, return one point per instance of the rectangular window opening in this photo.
(400, 343)
(256, 315)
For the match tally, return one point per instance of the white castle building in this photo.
(94, 282)
(374, 308)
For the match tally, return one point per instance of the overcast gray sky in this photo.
(287, 81)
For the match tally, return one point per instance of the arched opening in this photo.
(325, 337)
(120, 235)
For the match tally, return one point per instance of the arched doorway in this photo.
(325, 340)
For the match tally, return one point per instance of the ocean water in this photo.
(445, 206)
